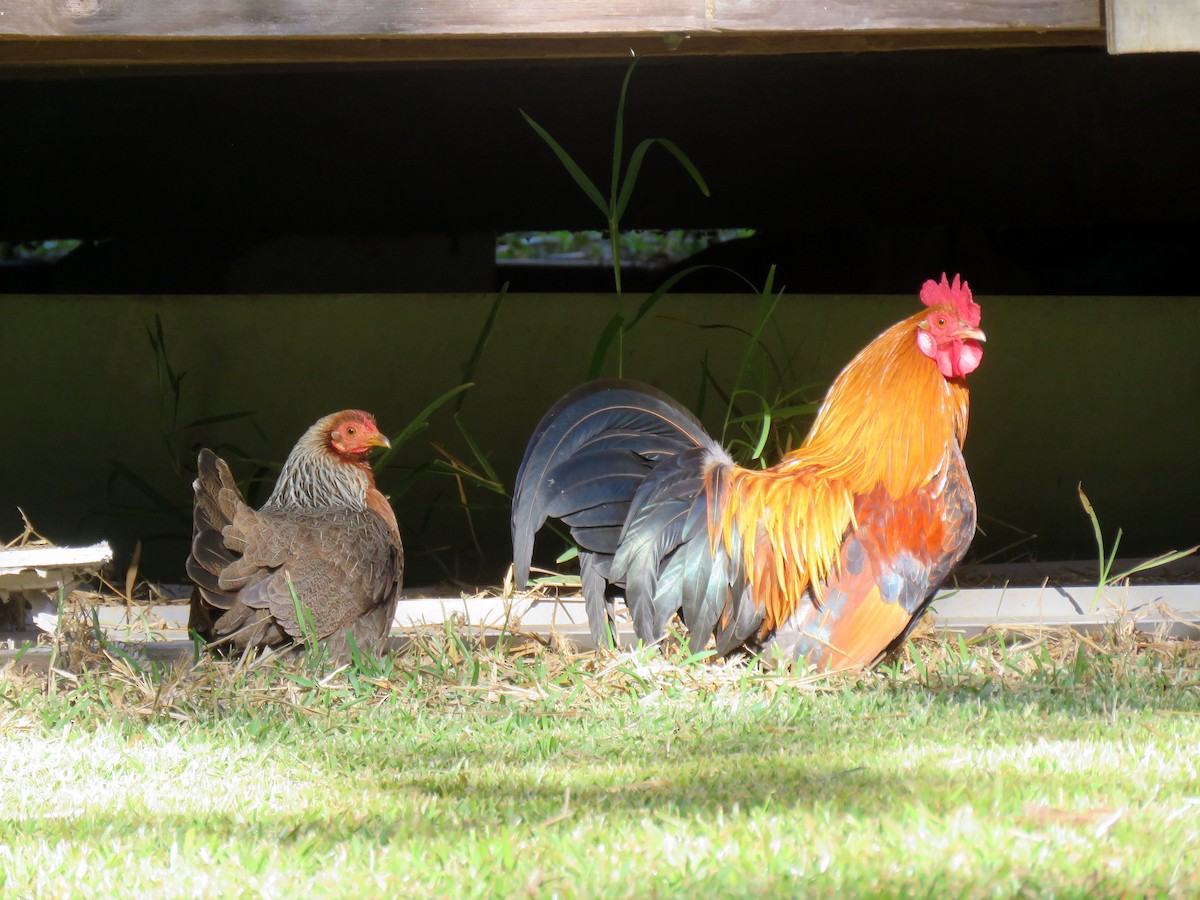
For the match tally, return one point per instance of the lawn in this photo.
(1042, 766)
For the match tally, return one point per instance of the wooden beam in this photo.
(1153, 26)
(141, 32)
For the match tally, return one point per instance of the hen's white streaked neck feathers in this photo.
(315, 477)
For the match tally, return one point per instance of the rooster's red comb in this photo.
(956, 295)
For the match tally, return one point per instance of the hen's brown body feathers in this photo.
(326, 536)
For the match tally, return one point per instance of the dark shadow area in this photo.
(1045, 172)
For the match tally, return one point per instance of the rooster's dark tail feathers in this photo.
(624, 467)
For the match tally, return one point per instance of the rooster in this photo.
(325, 540)
(826, 558)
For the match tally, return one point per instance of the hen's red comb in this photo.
(956, 295)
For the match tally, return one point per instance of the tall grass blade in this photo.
(764, 428)
(581, 179)
(468, 373)
(617, 326)
(766, 308)
(314, 650)
(611, 330)
(419, 422)
(1161, 560)
(494, 481)
(619, 140)
(635, 168)
(399, 489)
(1102, 570)
(659, 292)
(1091, 514)
(688, 166)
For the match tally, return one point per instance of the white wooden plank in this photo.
(41, 568)
(1153, 26)
(969, 611)
(1150, 606)
(18, 559)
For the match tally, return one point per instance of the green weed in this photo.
(1106, 577)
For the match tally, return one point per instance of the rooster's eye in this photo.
(941, 321)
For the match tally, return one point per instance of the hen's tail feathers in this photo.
(624, 467)
(217, 500)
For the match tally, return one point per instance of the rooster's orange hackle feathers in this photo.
(861, 438)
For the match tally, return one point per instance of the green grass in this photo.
(1050, 767)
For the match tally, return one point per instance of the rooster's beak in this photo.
(972, 334)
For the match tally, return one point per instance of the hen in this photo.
(325, 533)
(828, 557)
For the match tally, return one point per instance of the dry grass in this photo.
(447, 668)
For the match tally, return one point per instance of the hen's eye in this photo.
(351, 431)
